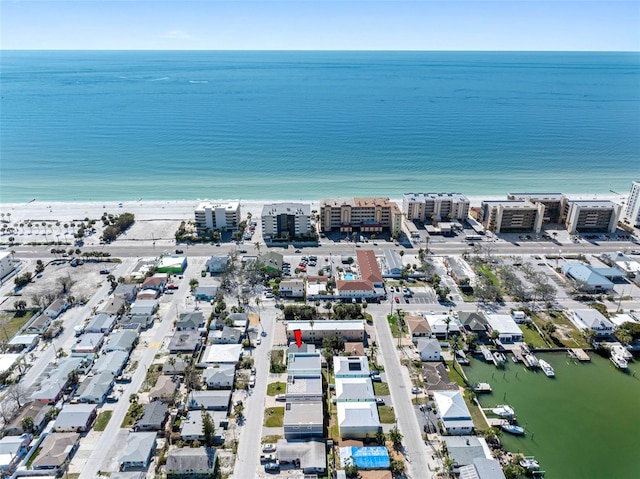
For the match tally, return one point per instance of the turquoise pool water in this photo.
(348, 276)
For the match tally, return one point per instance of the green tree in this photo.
(193, 283)
(208, 428)
(20, 305)
(395, 437)
(27, 424)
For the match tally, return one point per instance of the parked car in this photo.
(268, 458)
(243, 251)
(104, 271)
(272, 467)
(252, 381)
(416, 390)
(269, 447)
(376, 378)
(379, 401)
(123, 379)
(281, 397)
(112, 398)
(179, 251)
(397, 299)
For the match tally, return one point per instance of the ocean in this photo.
(112, 125)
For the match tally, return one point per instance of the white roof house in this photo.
(358, 419)
(354, 390)
(140, 447)
(221, 377)
(453, 412)
(112, 362)
(429, 349)
(509, 330)
(96, 388)
(439, 324)
(222, 354)
(304, 364)
(592, 319)
(348, 329)
(351, 366)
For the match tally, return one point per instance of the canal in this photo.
(584, 423)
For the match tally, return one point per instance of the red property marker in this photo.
(298, 334)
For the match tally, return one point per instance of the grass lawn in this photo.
(134, 412)
(419, 401)
(33, 457)
(276, 388)
(387, 416)
(564, 327)
(270, 439)
(381, 389)
(476, 414)
(486, 271)
(455, 375)
(396, 330)
(11, 323)
(532, 338)
(102, 420)
(274, 417)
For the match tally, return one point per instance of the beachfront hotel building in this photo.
(6, 264)
(592, 216)
(221, 216)
(428, 207)
(366, 215)
(286, 220)
(554, 204)
(511, 216)
(632, 209)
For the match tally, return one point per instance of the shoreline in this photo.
(148, 210)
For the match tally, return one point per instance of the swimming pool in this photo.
(348, 276)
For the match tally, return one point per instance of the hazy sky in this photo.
(321, 25)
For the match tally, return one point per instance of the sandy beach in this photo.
(177, 210)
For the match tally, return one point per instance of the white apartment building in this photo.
(6, 264)
(511, 216)
(592, 216)
(222, 216)
(426, 207)
(554, 204)
(632, 209)
(286, 220)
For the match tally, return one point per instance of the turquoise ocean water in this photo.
(291, 125)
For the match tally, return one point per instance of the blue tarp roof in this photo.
(365, 457)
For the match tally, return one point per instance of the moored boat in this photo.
(621, 351)
(513, 429)
(546, 368)
(619, 361)
(482, 388)
(503, 410)
(499, 359)
(530, 463)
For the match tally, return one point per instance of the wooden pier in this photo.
(579, 354)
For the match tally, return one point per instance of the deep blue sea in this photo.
(306, 125)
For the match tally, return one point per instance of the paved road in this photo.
(248, 456)
(415, 448)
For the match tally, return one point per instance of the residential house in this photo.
(453, 412)
(348, 329)
(190, 321)
(55, 450)
(101, 323)
(164, 390)
(39, 324)
(474, 323)
(126, 292)
(369, 268)
(429, 349)
(592, 319)
(310, 455)
(221, 377)
(139, 449)
(354, 349)
(292, 288)
(12, 450)
(141, 313)
(272, 262)
(95, 389)
(509, 331)
(36, 410)
(356, 289)
(191, 427)
(157, 282)
(482, 468)
(239, 320)
(114, 306)
(418, 327)
(88, 344)
(56, 308)
(304, 389)
(351, 367)
(301, 364)
(217, 400)
(75, 418)
(443, 325)
(222, 354)
(174, 365)
(216, 264)
(172, 264)
(23, 342)
(459, 270)
(303, 420)
(206, 293)
(227, 335)
(353, 390)
(464, 449)
(358, 419)
(588, 279)
(122, 341)
(52, 387)
(154, 417)
(370, 459)
(112, 362)
(191, 462)
(185, 342)
(148, 294)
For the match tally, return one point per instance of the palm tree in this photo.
(257, 245)
(447, 321)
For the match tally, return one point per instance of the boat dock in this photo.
(579, 354)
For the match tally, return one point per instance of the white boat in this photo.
(503, 410)
(486, 354)
(530, 464)
(513, 429)
(621, 351)
(499, 359)
(546, 368)
(619, 361)
(531, 361)
(482, 388)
